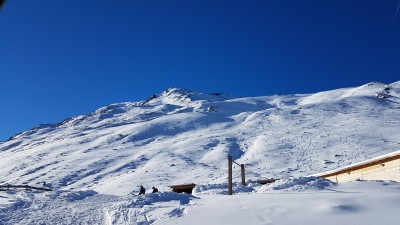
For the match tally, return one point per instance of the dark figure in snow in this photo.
(142, 190)
(155, 189)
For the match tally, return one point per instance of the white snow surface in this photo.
(303, 200)
(94, 162)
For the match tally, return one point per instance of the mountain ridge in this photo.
(181, 136)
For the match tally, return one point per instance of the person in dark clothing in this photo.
(155, 190)
(142, 191)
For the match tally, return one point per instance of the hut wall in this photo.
(389, 170)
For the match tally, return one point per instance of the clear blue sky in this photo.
(60, 59)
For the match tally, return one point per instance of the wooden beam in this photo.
(8, 186)
(242, 174)
(230, 191)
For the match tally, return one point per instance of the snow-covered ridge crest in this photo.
(373, 89)
(188, 99)
(170, 100)
(185, 97)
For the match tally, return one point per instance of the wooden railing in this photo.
(8, 187)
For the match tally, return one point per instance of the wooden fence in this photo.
(26, 187)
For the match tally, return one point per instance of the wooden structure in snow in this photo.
(186, 188)
(267, 181)
(385, 167)
(242, 174)
(26, 187)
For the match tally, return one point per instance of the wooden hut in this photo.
(265, 181)
(186, 188)
(385, 167)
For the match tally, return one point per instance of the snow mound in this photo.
(300, 184)
(149, 199)
(60, 207)
(76, 196)
(146, 209)
(222, 189)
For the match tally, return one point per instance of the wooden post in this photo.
(242, 172)
(230, 175)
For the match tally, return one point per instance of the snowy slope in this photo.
(182, 136)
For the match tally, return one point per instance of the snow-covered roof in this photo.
(380, 159)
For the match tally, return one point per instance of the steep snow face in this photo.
(182, 136)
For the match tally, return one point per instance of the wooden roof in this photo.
(183, 186)
(187, 188)
(361, 165)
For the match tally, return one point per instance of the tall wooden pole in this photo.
(242, 173)
(230, 191)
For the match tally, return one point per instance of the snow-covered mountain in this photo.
(183, 136)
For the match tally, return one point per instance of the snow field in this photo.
(94, 161)
(303, 200)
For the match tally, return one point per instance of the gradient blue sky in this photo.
(60, 59)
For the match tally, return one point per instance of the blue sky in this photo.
(60, 59)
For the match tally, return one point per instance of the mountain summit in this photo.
(181, 136)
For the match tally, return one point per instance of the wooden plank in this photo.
(183, 185)
(8, 186)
